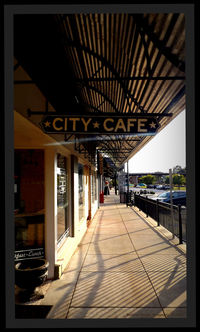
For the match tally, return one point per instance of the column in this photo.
(50, 210)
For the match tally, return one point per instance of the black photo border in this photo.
(13, 9)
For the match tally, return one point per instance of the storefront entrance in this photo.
(29, 203)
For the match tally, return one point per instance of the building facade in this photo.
(56, 188)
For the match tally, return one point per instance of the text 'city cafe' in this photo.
(99, 124)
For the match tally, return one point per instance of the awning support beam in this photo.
(131, 78)
(141, 114)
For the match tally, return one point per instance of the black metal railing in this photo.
(130, 198)
(173, 219)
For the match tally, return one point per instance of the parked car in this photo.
(160, 186)
(178, 197)
(141, 185)
(166, 186)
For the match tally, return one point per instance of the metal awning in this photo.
(105, 63)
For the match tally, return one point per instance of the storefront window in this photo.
(93, 186)
(62, 199)
(81, 191)
(29, 203)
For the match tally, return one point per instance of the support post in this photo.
(72, 228)
(180, 225)
(50, 210)
(115, 183)
(139, 202)
(157, 212)
(134, 198)
(146, 207)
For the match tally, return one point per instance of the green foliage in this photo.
(167, 179)
(147, 179)
(177, 179)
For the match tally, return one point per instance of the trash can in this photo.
(101, 197)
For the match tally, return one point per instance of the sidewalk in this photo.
(125, 267)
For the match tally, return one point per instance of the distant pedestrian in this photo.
(106, 189)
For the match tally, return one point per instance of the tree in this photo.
(176, 169)
(177, 179)
(167, 179)
(147, 179)
(179, 170)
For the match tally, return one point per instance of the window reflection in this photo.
(29, 202)
(62, 198)
(81, 191)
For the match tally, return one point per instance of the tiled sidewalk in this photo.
(125, 267)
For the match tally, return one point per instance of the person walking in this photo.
(106, 189)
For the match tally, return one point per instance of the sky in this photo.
(166, 150)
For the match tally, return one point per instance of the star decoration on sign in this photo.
(47, 124)
(96, 124)
(152, 124)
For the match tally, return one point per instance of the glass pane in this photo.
(81, 191)
(29, 203)
(93, 186)
(62, 197)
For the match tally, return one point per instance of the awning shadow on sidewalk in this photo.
(123, 268)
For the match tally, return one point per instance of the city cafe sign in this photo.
(93, 124)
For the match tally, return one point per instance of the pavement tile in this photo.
(154, 248)
(110, 210)
(144, 232)
(117, 313)
(60, 290)
(111, 229)
(158, 262)
(120, 263)
(120, 244)
(127, 213)
(132, 217)
(108, 220)
(175, 312)
(75, 262)
(60, 308)
(114, 289)
(133, 225)
(60, 294)
(86, 239)
(145, 235)
(111, 215)
(170, 287)
(101, 236)
(143, 242)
